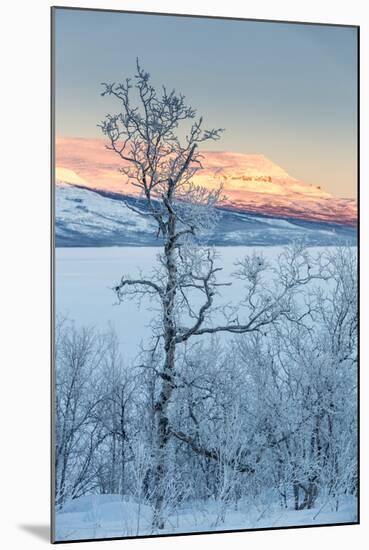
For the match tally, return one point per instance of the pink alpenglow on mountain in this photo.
(254, 183)
(251, 183)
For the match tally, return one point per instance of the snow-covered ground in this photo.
(106, 516)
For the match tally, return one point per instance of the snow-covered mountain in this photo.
(251, 182)
(256, 184)
(86, 217)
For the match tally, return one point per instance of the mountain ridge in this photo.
(251, 182)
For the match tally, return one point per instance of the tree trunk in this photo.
(122, 449)
(296, 495)
(167, 375)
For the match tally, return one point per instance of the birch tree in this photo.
(157, 137)
(77, 410)
(266, 416)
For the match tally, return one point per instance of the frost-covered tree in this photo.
(117, 418)
(160, 166)
(304, 377)
(157, 137)
(79, 357)
(264, 418)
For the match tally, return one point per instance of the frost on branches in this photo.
(241, 412)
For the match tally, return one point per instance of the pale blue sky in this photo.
(284, 90)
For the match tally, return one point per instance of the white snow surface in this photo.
(79, 208)
(106, 516)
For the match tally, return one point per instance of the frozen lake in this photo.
(85, 277)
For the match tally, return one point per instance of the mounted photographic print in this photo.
(205, 359)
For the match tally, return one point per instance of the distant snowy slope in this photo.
(96, 218)
(86, 218)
